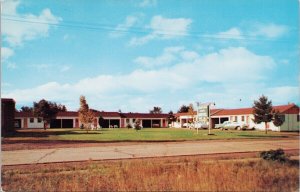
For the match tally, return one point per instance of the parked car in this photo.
(201, 126)
(233, 125)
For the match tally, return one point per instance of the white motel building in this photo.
(289, 113)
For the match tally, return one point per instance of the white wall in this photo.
(290, 123)
(35, 123)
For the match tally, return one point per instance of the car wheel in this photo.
(238, 128)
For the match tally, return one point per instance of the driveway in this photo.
(140, 150)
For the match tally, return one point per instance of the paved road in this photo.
(141, 150)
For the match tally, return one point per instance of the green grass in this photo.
(146, 134)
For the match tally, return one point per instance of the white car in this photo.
(233, 125)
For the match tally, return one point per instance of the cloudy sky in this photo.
(136, 54)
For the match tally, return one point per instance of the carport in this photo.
(146, 123)
(67, 123)
(106, 123)
(61, 123)
(218, 120)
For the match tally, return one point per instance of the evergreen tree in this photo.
(264, 113)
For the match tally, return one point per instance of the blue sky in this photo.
(136, 54)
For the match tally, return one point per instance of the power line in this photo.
(124, 30)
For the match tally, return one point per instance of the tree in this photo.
(86, 116)
(191, 113)
(26, 109)
(156, 110)
(171, 117)
(183, 109)
(264, 113)
(46, 110)
(137, 125)
(101, 121)
(277, 118)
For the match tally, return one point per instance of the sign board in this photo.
(203, 113)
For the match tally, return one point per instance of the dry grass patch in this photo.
(169, 174)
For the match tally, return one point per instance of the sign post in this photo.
(203, 115)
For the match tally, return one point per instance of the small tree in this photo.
(137, 125)
(46, 110)
(156, 110)
(86, 116)
(183, 109)
(101, 121)
(191, 113)
(263, 112)
(171, 117)
(277, 119)
(26, 109)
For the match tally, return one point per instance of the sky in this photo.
(132, 55)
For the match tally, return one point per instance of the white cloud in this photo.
(147, 3)
(123, 28)
(283, 93)
(65, 68)
(28, 27)
(229, 68)
(6, 53)
(11, 65)
(168, 56)
(40, 66)
(164, 28)
(269, 30)
(233, 33)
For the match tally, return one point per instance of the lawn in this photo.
(167, 174)
(146, 134)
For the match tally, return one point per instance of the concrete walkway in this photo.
(141, 150)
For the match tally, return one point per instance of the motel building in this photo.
(289, 113)
(69, 119)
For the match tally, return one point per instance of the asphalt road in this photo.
(139, 150)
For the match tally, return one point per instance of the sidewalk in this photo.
(141, 150)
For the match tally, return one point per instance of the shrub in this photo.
(274, 155)
(137, 125)
(128, 126)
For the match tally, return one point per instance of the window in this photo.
(31, 120)
(298, 118)
(39, 120)
(282, 117)
(235, 118)
(243, 118)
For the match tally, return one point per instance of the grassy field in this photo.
(146, 134)
(168, 174)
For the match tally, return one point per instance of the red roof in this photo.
(67, 114)
(108, 114)
(23, 114)
(285, 109)
(98, 113)
(184, 114)
(144, 115)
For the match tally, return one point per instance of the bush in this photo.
(137, 125)
(274, 155)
